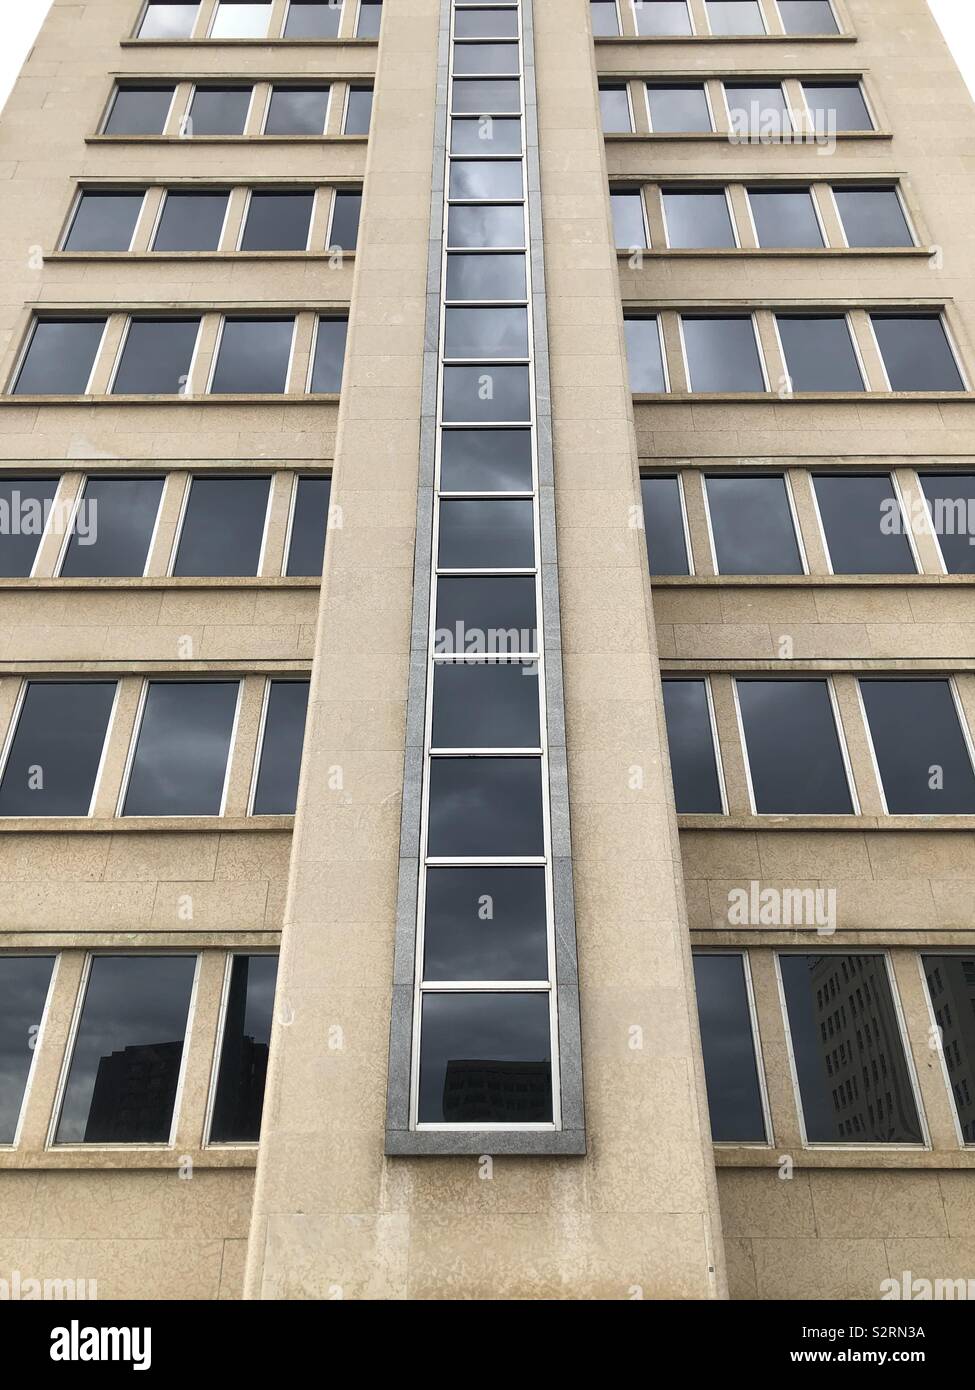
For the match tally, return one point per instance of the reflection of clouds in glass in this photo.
(24, 982)
(181, 756)
(485, 806)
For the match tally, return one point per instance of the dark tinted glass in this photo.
(488, 23)
(243, 1053)
(358, 111)
(485, 705)
(785, 217)
(486, 277)
(819, 353)
(872, 217)
(329, 361)
(728, 1043)
(312, 21)
(167, 21)
(126, 1061)
(472, 178)
(662, 17)
(297, 111)
(25, 505)
(863, 524)
(254, 356)
(793, 748)
(722, 354)
(494, 615)
(24, 982)
(306, 549)
(276, 793)
(484, 96)
(485, 923)
(60, 357)
(156, 357)
(925, 766)
(482, 395)
(698, 219)
(485, 1058)
(605, 20)
(697, 789)
(951, 983)
(663, 518)
(139, 111)
(752, 526)
(485, 135)
(191, 222)
(180, 762)
(277, 222)
(219, 110)
(849, 1054)
(57, 748)
(950, 499)
(104, 222)
(486, 535)
(486, 461)
(486, 226)
(113, 528)
(346, 212)
(495, 58)
(679, 110)
(370, 19)
(490, 807)
(486, 333)
(758, 110)
(839, 107)
(808, 17)
(735, 17)
(614, 107)
(629, 228)
(916, 353)
(223, 527)
(644, 356)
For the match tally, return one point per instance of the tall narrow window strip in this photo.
(27, 504)
(244, 1047)
(951, 989)
(24, 985)
(693, 759)
(731, 1066)
(276, 790)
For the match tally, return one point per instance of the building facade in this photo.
(486, 513)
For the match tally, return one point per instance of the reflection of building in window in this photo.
(487, 1091)
(951, 981)
(134, 1095)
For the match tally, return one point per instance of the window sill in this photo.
(475, 1142)
(802, 397)
(124, 1156)
(143, 825)
(249, 581)
(898, 1156)
(148, 257)
(726, 137)
(183, 402)
(775, 252)
(801, 581)
(227, 140)
(268, 41)
(605, 40)
(831, 823)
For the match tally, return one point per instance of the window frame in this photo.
(668, 386)
(10, 734)
(677, 82)
(938, 952)
(316, 327)
(951, 342)
(919, 476)
(609, 86)
(793, 513)
(293, 315)
(882, 186)
(358, 86)
(665, 189)
(184, 508)
(746, 137)
(619, 21)
(310, 85)
(214, 1079)
(129, 85)
(950, 679)
(249, 192)
(773, 186)
(221, 247)
(840, 80)
(33, 476)
(296, 478)
(191, 37)
(891, 473)
(240, 38)
(82, 191)
(634, 4)
(756, 37)
(127, 328)
(321, 39)
(336, 190)
(21, 360)
(841, 30)
(705, 313)
(688, 544)
(678, 676)
(819, 313)
(187, 116)
(756, 1034)
(629, 190)
(54, 954)
(79, 502)
(289, 678)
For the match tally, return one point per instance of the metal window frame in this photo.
(677, 81)
(875, 186)
(309, 86)
(289, 679)
(206, 82)
(322, 38)
(657, 316)
(249, 194)
(55, 958)
(705, 313)
(788, 134)
(763, 34)
(127, 85)
(231, 38)
(36, 320)
(167, 191)
(637, 5)
(637, 190)
(939, 953)
(678, 475)
(744, 955)
(920, 474)
(891, 474)
(816, 312)
(613, 86)
(80, 194)
(665, 189)
(908, 312)
(79, 501)
(184, 507)
(841, 31)
(155, 318)
(350, 87)
(840, 80)
(144, 11)
(880, 678)
(750, 185)
(221, 1145)
(677, 677)
(15, 717)
(291, 317)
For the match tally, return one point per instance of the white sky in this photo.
(20, 21)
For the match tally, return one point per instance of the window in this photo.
(277, 222)
(662, 17)
(191, 222)
(679, 110)
(954, 978)
(819, 352)
(697, 218)
(792, 746)
(474, 59)
(785, 217)
(758, 110)
(60, 357)
(241, 21)
(950, 500)
(486, 534)
(309, 521)
(916, 353)
(752, 524)
(104, 222)
(25, 506)
(482, 705)
(486, 277)
(486, 179)
(808, 17)
(156, 357)
(486, 226)
(486, 461)
(128, 1053)
(182, 750)
(922, 754)
(474, 96)
(370, 19)
(863, 524)
(666, 528)
(829, 1104)
(722, 354)
(297, 111)
(168, 21)
(313, 21)
(629, 221)
(485, 807)
(218, 111)
(837, 106)
(56, 752)
(276, 787)
(499, 136)
(488, 333)
(247, 1017)
(254, 357)
(605, 18)
(493, 23)
(614, 107)
(730, 1055)
(329, 359)
(456, 944)
(644, 354)
(484, 603)
(872, 217)
(358, 111)
(24, 985)
(735, 17)
(467, 401)
(343, 233)
(690, 737)
(112, 528)
(223, 526)
(140, 111)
